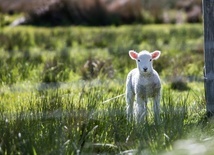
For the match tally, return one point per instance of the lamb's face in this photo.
(144, 60)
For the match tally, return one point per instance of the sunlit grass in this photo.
(80, 121)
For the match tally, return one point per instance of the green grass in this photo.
(68, 120)
(63, 51)
(54, 83)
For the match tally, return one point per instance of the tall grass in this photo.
(69, 121)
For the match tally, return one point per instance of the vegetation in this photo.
(55, 86)
(63, 51)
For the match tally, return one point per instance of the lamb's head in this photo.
(144, 60)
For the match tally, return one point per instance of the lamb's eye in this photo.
(150, 60)
(138, 60)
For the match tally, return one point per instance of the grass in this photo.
(63, 51)
(55, 86)
(71, 120)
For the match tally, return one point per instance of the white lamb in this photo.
(143, 82)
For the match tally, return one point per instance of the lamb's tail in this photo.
(113, 98)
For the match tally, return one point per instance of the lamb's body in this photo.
(142, 85)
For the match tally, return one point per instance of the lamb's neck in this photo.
(146, 75)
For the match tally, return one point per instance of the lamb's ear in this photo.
(156, 55)
(133, 54)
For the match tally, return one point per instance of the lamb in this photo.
(142, 83)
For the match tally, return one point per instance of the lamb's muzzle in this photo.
(145, 69)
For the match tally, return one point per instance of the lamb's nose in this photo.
(145, 69)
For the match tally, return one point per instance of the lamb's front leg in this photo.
(140, 109)
(156, 107)
(129, 104)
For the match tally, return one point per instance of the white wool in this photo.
(142, 83)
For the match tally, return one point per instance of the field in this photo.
(57, 89)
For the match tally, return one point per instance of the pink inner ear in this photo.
(155, 54)
(133, 54)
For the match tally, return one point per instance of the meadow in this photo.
(57, 89)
